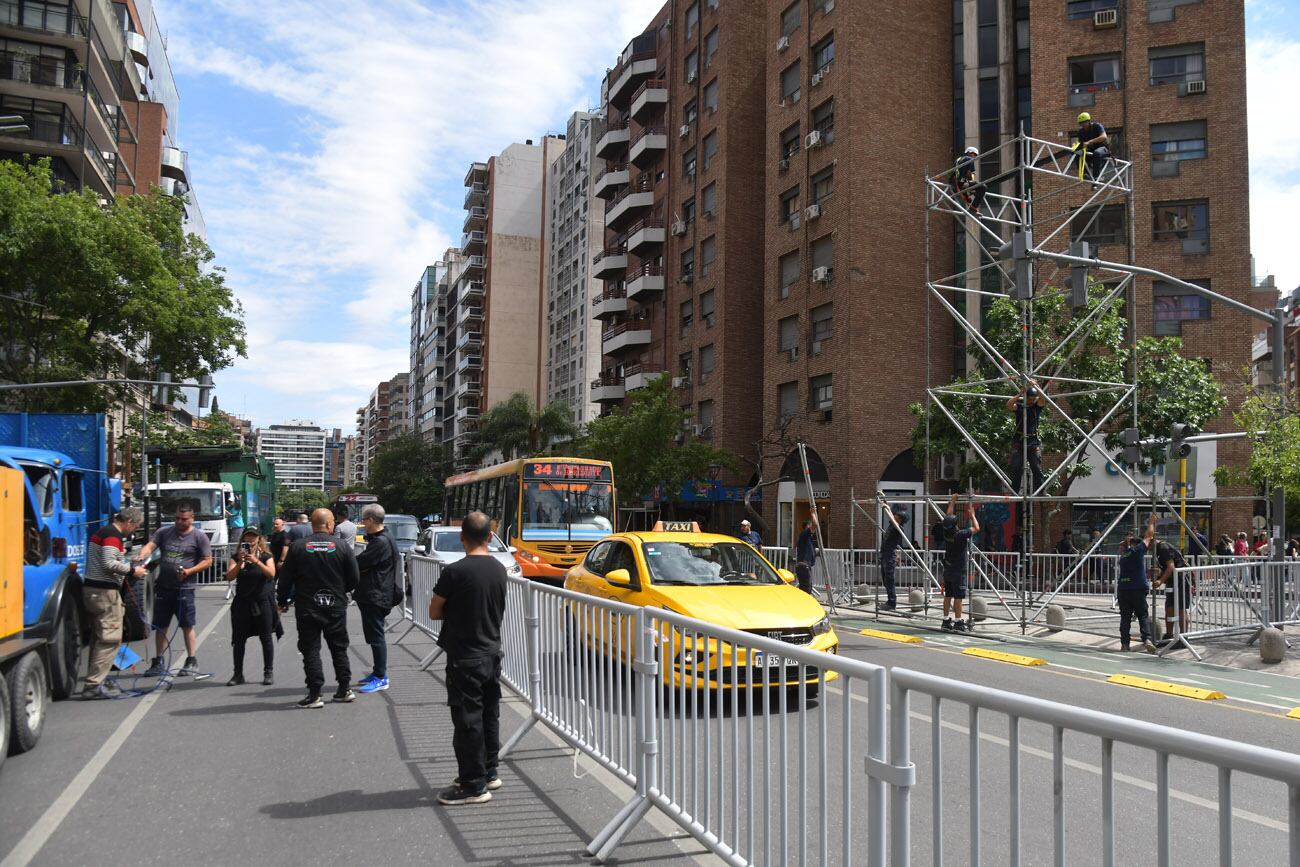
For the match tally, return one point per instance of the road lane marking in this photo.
(892, 636)
(999, 656)
(40, 833)
(1166, 687)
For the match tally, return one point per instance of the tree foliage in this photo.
(406, 475)
(1170, 387)
(1275, 454)
(85, 285)
(300, 500)
(216, 430)
(515, 429)
(641, 442)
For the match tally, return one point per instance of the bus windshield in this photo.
(207, 503)
(567, 510)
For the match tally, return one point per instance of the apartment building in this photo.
(575, 230)
(384, 417)
(297, 451)
(495, 310)
(428, 352)
(336, 478)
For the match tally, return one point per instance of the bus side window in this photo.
(509, 506)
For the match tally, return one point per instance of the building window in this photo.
(706, 308)
(687, 315)
(823, 120)
(710, 47)
(709, 201)
(790, 141)
(790, 19)
(708, 253)
(692, 19)
(685, 366)
(789, 204)
(787, 273)
(821, 327)
(688, 211)
(1173, 306)
(692, 66)
(787, 334)
(1178, 141)
(688, 163)
(711, 96)
(816, 6)
(823, 53)
(787, 399)
(822, 184)
(710, 149)
(1094, 74)
(819, 392)
(706, 415)
(691, 112)
(1076, 9)
(1100, 228)
(822, 253)
(1177, 64)
(688, 263)
(790, 81)
(706, 363)
(1181, 221)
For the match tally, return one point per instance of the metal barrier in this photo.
(1232, 598)
(216, 573)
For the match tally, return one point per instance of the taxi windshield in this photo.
(707, 563)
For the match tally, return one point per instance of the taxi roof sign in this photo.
(676, 527)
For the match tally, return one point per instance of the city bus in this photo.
(551, 510)
(353, 504)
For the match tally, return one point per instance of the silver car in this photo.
(443, 544)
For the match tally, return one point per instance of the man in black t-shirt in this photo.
(956, 550)
(470, 600)
(1028, 406)
(278, 541)
(889, 545)
(1178, 592)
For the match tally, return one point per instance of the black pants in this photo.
(372, 626)
(1018, 463)
(474, 695)
(333, 626)
(1096, 162)
(803, 577)
(887, 566)
(249, 618)
(1132, 603)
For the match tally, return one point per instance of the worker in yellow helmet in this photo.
(1094, 142)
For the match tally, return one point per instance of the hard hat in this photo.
(972, 150)
(1084, 117)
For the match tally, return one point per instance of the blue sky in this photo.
(328, 142)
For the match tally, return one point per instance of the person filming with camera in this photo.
(252, 612)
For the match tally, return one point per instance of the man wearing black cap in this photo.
(956, 550)
(889, 546)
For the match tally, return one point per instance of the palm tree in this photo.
(515, 429)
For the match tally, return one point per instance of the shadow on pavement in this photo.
(222, 709)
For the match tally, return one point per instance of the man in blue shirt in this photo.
(1094, 141)
(1132, 588)
(750, 535)
(805, 557)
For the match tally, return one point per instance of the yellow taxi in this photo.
(714, 578)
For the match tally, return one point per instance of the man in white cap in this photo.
(748, 534)
(966, 179)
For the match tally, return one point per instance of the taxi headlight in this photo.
(821, 627)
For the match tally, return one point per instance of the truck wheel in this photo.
(4, 719)
(29, 699)
(66, 650)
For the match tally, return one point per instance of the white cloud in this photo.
(325, 232)
(1273, 78)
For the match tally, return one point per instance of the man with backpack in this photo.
(378, 591)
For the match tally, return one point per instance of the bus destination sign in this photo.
(554, 471)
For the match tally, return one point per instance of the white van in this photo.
(208, 499)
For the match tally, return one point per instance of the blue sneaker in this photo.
(374, 685)
(366, 680)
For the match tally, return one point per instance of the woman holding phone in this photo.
(252, 612)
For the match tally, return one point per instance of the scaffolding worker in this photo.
(956, 562)
(1176, 584)
(1028, 405)
(1094, 142)
(889, 545)
(965, 179)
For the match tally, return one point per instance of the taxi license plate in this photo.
(762, 660)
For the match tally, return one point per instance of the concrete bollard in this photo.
(1055, 618)
(916, 600)
(1158, 629)
(979, 610)
(1272, 645)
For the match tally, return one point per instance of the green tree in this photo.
(300, 500)
(1275, 455)
(641, 442)
(515, 429)
(406, 475)
(86, 285)
(216, 431)
(1170, 387)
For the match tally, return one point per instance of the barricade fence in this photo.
(216, 573)
(768, 751)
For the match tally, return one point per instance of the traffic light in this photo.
(205, 390)
(1132, 452)
(1178, 447)
(162, 393)
(1079, 276)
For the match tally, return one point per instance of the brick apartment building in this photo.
(783, 146)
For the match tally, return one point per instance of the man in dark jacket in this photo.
(319, 573)
(889, 544)
(805, 557)
(377, 592)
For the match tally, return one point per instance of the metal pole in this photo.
(1280, 383)
(1182, 503)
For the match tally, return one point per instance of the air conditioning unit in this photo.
(696, 429)
(812, 212)
(679, 382)
(679, 438)
(685, 130)
(949, 466)
(795, 221)
(1196, 86)
(690, 76)
(783, 43)
(783, 165)
(679, 228)
(688, 277)
(815, 347)
(821, 275)
(813, 139)
(817, 78)
(1105, 18)
(793, 352)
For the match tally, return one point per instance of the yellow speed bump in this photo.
(1013, 658)
(1162, 686)
(891, 636)
(1295, 713)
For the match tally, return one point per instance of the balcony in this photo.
(45, 71)
(470, 341)
(468, 315)
(609, 183)
(629, 335)
(638, 63)
(609, 265)
(473, 294)
(476, 195)
(51, 20)
(173, 164)
(475, 218)
(631, 203)
(138, 46)
(473, 242)
(469, 362)
(613, 141)
(638, 376)
(474, 266)
(609, 304)
(469, 412)
(477, 174)
(647, 281)
(644, 238)
(648, 146)
(651, 95)
(608, 388)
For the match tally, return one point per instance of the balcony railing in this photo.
(46, 19)
(47, 71)
(43, 125)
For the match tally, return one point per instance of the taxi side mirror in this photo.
(621, 577)
(786, 575)
(419, 549)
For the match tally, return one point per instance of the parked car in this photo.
(405, 530)
(443, 544)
